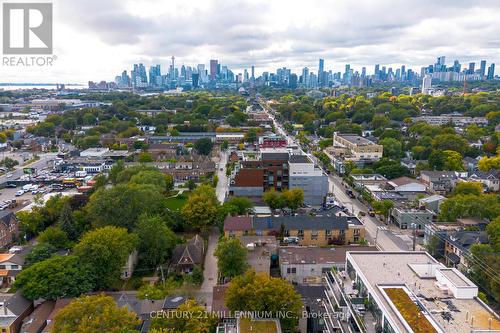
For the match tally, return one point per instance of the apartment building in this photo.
(356, 148)
(309, 230)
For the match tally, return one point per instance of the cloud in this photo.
(98, 39)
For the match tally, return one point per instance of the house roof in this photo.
(318, 255)
(299, 159)
(37, 320)
(6, 256)
(492, 174)
(465, 239)
(7, 217)
(16, 303)
(274, 156)
(190, 252)
(218, 299)
(173, 302)
(403, 181)
(305, 222)
(238, 223)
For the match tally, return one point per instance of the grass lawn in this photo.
(176, 203)
(410, 311)
(257, 326)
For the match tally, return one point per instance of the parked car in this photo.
(371, 213)
(19, 193)
(291, 240)
(11, 185)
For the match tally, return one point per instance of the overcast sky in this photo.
(97, 39)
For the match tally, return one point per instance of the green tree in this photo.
(115, 170)
(164, 182)
(201, 208)
(31, 223)
(39, 253)
(465, 188)
(274, 199)
(106, 250)
(156, 240)
(452, 161)
(187, 318)
(55, 237)
(488, 163)
(260, 292)
(9, 163)
(238, 206)
(122, 204)
(231, 257)
(204, 146)
(96, 313)
(224, 145)
(392, 148)
(54, 278)
(66, 222)
(294, 198)
(145, 157)
(383, 207)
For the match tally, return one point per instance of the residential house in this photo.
(308, 265)
(313, 300)
(185, 257)
(411, 164)
(11, 264)
(440, 182)
(458, 244)
(186, 167)
(404, 218)
(37, 320)
(490, 179)
(408, 187)
(13, 309)
(60, 303)
(9, 228)
(309, 230)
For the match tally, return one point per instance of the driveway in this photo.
(210, 270)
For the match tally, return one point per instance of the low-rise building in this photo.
(404, 218)
(490, 179)
(185, 257)
(9, 228)
(13, 309)
(356, 148)
(308, 265)
(404, 292)
(458, 245)
(432, 202)
(440, 182)
(309, 230)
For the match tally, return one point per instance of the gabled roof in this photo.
(465, 239)
(189, 253)
(6, 218)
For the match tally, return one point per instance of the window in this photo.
(291, 270)
(314, 235)
(2, 266)
(325, 270)
(14, 266)
(300, 233)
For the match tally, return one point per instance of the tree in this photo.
(31, 223)
(187, 318)
(39, 253)
(488, 163)
(106, 250)
(9, 163)
(115, 170)
(294, 198)
(231, 257)
(450, 142)
(66, 222)
(156, 240)
(392, 148)
(251, 135)
(485, 206)
(156, 178)
(145, 157)
(55, 237)
(383, 207)
(96, 313)
(238, 206)
(224, 145)
(465, 188)
(273, 199)
(262, 293)
(452, 161)
(204, 146)
(122, 204)
(54, 278)
(201, 207)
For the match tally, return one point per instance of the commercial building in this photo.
(404, 218)
(404, 292)
(308, 265)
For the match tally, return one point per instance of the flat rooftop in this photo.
(318, 255)
(394, 268)
(356, 139)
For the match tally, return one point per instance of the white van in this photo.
(19, 193)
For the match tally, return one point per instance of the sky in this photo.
(98, 39)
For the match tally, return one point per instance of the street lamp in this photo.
(414, 226)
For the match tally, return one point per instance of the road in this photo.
(44, 161)
(222, 184)
(377, 232)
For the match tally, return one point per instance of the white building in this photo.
(426, 84)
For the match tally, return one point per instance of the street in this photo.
(377, 232)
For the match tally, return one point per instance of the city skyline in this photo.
(114, 34)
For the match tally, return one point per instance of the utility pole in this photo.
(414, 226)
